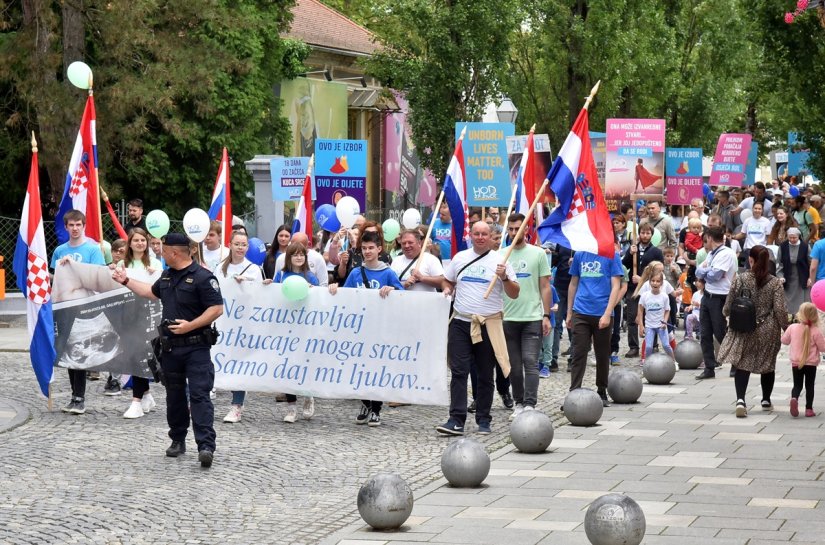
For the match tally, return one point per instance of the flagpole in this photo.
(97, 173)
(509, 211)
(523, 225)
(225, 235)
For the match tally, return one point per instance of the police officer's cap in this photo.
(176, 239)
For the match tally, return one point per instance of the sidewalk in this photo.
(14, 339)
(12, 414)
(699, 474)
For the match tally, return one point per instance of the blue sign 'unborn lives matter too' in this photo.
(486, 163)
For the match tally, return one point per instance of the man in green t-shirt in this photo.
(527, 317)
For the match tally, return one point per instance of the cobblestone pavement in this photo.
(98, 478)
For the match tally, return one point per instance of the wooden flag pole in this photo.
(509, 211)
(539, 194)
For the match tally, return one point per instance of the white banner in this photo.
(353, 345)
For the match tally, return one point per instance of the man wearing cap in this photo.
(191, 300)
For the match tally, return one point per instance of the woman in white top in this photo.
(756, 229)
(137, 257)
(237, 266)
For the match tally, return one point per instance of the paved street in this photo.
(700, 474)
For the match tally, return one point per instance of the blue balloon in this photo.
(794, 191)
(257, 251)
(710, 196)
(327, 219)
(705, 190)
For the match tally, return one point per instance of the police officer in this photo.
(191, 301)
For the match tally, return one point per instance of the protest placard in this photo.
(352, 345)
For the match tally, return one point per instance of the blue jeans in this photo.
(561, 314)
(546, 352)
(650, 336)
(238, 397)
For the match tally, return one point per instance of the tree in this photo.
(175, 81)
(445, 56)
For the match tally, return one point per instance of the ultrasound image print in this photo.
(92, 342)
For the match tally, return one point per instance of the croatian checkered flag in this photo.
(31, 267)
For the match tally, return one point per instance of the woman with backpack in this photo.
(756, 313)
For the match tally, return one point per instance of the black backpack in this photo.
(742, 313)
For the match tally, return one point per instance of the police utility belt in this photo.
(207, 337)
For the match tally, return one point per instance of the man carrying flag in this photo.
(221, 207)
(32, 272)
(455, 195)
(581, 222)
(82, 191)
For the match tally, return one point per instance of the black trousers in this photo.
(586, 331)
(140, 386)
(77, 378)
(463, 355)
(631, 310)
(616, 334)
(808, 374)
(190, 365)
(711, 324)
(740, 382)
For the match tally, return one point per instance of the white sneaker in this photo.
(212, 394)
(148, 402)
(517, 411)
(234, 414)
(309, 408)
(291, 413)
(529, 408)
(134, 410)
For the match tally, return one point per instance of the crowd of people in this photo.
(682, 270)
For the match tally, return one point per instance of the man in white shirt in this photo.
(476, 335)
(429, 275)
(213, 250)
(717, 271)
(317, 263)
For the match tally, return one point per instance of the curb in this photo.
(21, 417)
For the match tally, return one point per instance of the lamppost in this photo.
(507, 111)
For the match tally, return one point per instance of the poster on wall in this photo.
(730, 160)
(635, 161)
(486, 164)
(683, 169)
(315, 109)
(407, 184)
(340, 171)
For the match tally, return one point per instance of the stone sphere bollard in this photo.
(688, 354)
(583, 407)
(532, 432)
(465, 463)
(659, 369)
(614, 519)
(385, 501)
(624, 386)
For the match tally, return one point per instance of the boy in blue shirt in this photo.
(373, 274)
(80, 250)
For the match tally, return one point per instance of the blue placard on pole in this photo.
(485, 162)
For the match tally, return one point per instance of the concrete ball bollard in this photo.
(583, 407)
(688, 354)
(659, 368)
(614, 519)
(532, 432)
(465, 463)
(624, 386)
(385, 501)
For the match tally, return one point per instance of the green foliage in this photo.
(445, 56)
(175, 82)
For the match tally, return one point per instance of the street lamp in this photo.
(507, 111)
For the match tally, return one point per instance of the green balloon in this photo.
(391, 229)
(295, 288)
(79, 74)
(657, 237)
(157, 223)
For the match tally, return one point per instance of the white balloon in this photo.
(745, 214)
(347, 211)
(196, 224)
(411, 218)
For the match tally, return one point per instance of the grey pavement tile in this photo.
(680, 540)
(750, 535)
(813, 515)
(740, 522)
(393, 536)
(749, 491)
(565, 538)
(573, 484)
(689, 531)
(807, 493)
(715, 503)
(491, 536)
(449, 499)
(424, 510)
(439, 524)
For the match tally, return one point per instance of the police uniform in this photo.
(185, 295)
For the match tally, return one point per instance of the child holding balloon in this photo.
(807, 343)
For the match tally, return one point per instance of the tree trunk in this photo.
(750, 118)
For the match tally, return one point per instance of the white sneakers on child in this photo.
(291, 413)
(135, 410)
(309, 408)
(148, 402)
(234, 414)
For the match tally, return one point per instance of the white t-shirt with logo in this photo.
(756, 231)
(430, 266)
(655, 305)
(473, 282)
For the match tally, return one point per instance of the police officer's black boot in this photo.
(205, 458)
(176, 449)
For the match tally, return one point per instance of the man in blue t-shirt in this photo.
(80, 250)
(817, 271)
(595, 284)
(443, 233)
(379, 276)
